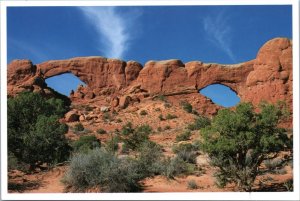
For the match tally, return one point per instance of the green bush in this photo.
(237, 142)
(200, 122)
(186, 106)
(171, 116)
(86, 143)
(187, 151)
(127, 129)
(192, 184)
(78, 127)
(101, 131)
(143, 112)
(161, 117)
(183, 136)
(161, 98)
(112, 144)
(107, 117)
(35, 135)
(137, 137)
(167, 127)
(174, 167)
(101, 169)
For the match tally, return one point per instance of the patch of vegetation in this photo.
(143, 112)
(102, 169)
(238, 142)
(199, 122)
(174, 166)
(192, 184)
(161, 98)
(137, 136)
(119, 120)
(101, 131)
(107, 117)
(112, 144)
(86, 143)
(159, 129)
(78, 127)
(167, 105)
(187, 151)
(127, 129)
(186, 106)
(167, 127)
(35, 135)
(161, 117)
(183, 136)
(171, 116)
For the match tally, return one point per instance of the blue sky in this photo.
(219, 34)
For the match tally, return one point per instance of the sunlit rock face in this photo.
(268, 77)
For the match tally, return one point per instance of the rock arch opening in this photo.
(221, 95)
(64, 83)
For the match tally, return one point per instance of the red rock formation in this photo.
(268, 77)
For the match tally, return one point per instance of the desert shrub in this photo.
(167, 105)
(187, 151)
(101, 131)
(183, 136)
(200, 122)
(101, 169)
(107, 117)
(78, 127)
(192, 184)
(159, 129)
(35, 135)
(186, 106)
(173, 167)
(127, 129)
(157, 109)
(86, 143)
(149, 159)
(161, 98)
(119, 120)
(137, 137)
(171, 116)
(289, 185)
(161, 117)
(143, 112)
(167, 127)
(112, 144)
(237, 142)
(272, 164)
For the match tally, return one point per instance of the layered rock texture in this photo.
(268, 77)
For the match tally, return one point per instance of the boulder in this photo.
(71, 116)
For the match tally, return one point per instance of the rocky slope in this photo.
(117, 83)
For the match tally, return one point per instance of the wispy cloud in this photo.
(219, 31)
(113, 28)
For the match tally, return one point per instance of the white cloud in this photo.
(219, 31)
(113, 28)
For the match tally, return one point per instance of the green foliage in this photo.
(78, 127)
(143, 112)
(167, 127)
(173, 167)
(199, 122)
(186, 106)
(34, 134)
(239, 141)
(187, 151)
(112, 144)
(127, 129)
(171, 116)
(101, 131)
(86, 143)
(192, 184)
(162, 98)
(183, 136)
(161, 117)
(137, 136)
(101, 169)
(107, 117)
